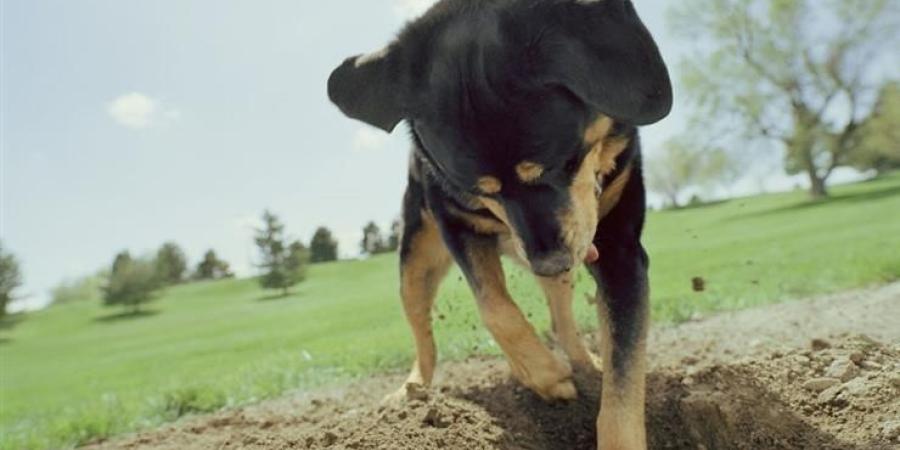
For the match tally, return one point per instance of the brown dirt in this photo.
(817, 374)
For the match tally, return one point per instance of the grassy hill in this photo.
(78, 372)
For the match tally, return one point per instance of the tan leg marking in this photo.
(530, 361)
(621, 424)
(558, 291)
(420, 276)
(613, 192)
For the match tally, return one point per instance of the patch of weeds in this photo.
(890, 272)
(192, 400)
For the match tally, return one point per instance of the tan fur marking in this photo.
(621, 423)
(530, 361)
(612, 148)
(529, 172)
(598, 130)
(489, 185)
(611, 195)
(480, 224)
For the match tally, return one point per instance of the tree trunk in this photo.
(817, 188)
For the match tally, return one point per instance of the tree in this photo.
(372, 241)
(10, 279)
(171, 264)
(393, 242)
(772, 66)
(683, 164)
(284, 265)
(132, 283)
(323, 247)
(212, 268)
(879, 147)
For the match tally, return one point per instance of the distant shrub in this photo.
(212, 268)
(131, 283)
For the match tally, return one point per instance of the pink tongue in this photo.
(592, 254)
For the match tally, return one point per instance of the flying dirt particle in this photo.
(698, 284)
(819, 344)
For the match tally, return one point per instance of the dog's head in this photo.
(508, 98)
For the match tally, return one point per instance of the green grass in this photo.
(75, 373)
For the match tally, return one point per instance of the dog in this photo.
(523, 116)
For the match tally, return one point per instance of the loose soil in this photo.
(815, 374)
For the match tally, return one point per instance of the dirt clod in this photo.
(820, 384)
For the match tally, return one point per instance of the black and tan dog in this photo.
(523, 116)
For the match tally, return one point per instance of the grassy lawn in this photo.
(74, 373)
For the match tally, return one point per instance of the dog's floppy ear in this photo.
(601, 52)
(364, 87)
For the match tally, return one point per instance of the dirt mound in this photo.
(818, 388)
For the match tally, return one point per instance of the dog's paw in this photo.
(550, 383)
(562, 390)
(407, 393)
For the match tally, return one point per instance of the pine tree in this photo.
(171, 264)
(284, 266)
(323, 247)
(372, 241)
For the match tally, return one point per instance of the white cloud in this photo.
(136, 110)
(369, 139)
(133, 110)
(409, 9)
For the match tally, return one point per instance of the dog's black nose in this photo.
(552, 264)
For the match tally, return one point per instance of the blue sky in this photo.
(127, 124)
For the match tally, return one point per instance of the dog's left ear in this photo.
(365, 88)
(601, 52)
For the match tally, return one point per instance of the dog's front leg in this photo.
(531, 362)
(621, 275)
(558, 291)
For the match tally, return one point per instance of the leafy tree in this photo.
(879, 147)
(10, 278)
(372, 242)
(771, 66)
(171, 264)
(132, 283)
(284, 265)
(684, 164)
(82, 289)
(323, 247)
(393, 241)
(212, 268)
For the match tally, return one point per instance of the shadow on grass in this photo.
(857, 197)
(277, 297)
(124, 316)
(10, 321)
(5, 340)
(699, 205)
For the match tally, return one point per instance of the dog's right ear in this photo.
(365, 88)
